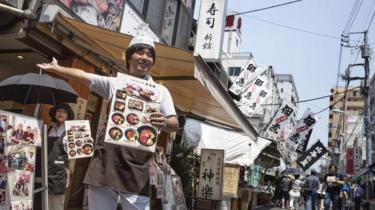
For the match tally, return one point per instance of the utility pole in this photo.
(365, 52)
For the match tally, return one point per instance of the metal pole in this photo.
(365, 50)
(44, 169)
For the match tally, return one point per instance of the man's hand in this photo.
(158, 119)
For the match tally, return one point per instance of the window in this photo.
(329, 135)
(330, 116)
(169, 20)
(182, 30)
(331, 98)
(354, 93)
(155, 14)
(138, 5)
(237, 43)
(234, 71)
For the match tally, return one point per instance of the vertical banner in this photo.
(349, 161)
(279, 122)
(254, 96)
(357, 159)
(298, 135)
(304, 142)
(248, 73)
(311, 155)
(211, 174)
(255, 175)
(210, 29)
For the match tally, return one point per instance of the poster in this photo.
(20, 157)
(80, 143)
(21, 129)
(255, 175)
(231, 179)
(22, 205)
(211, 174)
(103, 13)
(178, 192)
(129, 122)
(22, 185)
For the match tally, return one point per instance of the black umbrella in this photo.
(292, 171)
(35, 88)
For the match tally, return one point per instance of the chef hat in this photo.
(142, 39)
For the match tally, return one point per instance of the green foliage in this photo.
(183, 161)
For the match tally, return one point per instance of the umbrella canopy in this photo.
(293, 171)
(35, 88)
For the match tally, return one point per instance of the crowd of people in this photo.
(319, 192)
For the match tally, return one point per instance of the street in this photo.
(276, 208)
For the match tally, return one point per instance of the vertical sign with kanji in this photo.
(210, 29)
(349, 161)
(211, 174)
(313, 154)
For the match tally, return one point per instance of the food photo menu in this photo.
(80, 143)
(129, 118)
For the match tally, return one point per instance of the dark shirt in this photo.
(312, 183)
(332, 187)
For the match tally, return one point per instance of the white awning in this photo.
(239, 148)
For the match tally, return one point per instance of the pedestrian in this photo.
(117, 171)
(358, 194)
(332, 186)
(311, 188)
(345, 193)
(286, 185)
(58, 166)
(295, 193)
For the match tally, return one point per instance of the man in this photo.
(332, 184)
(114, 170)
(18, 135)
(358, 194)
(311, 188)
(286, 184)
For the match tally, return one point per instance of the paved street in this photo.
(276, 208)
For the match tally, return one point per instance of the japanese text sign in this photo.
(210, 29)
(211, 174)
(311, 155)
(279, 122)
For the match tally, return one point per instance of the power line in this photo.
(354, 16)
(350, 17)
(368, 16)
(265, 8)
(372, 18)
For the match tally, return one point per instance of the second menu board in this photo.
(129, 118)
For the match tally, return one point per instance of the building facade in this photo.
(342, 121)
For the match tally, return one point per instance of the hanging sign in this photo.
(211, 174)
(311, 155)
(210, 30)
(349, 161)
(279, 122)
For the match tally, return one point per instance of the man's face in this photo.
(140, 62)
(332, 169)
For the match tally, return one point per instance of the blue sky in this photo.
(312, 60)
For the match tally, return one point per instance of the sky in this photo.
(312, 59)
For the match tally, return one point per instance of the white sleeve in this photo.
(166, 104)
(102, 85)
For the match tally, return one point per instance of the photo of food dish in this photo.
(121, 94)
(72, 153)
(131, 134)
(151, 109)
(139, 92)
(70, 132)
(78, 135)
(79, 151)
(134, 104)
(132, 119)
(78, 143)
(119, 106)
(118, 118)
(87, 149)
(115, 133)
(70, 138)
(71, 145)
(147, 135)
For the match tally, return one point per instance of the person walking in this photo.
(295, 193)
(332, 186)
(286, 185)
(117, 171)
(311, 187)
(358, 194)
(58, 165)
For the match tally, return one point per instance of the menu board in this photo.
(129, 118)
(79, 139)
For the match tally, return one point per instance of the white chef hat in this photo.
(142, 40)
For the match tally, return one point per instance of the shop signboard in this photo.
(255, 175)
(349, 161)
(133, 25)
(210, 30)
(298, 135)
(231, 178)
(275, 129)
(357, 159)
(313, 154)
(211, 174)
(103, 13)
(129, 118)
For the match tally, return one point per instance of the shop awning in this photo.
(174, 68)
